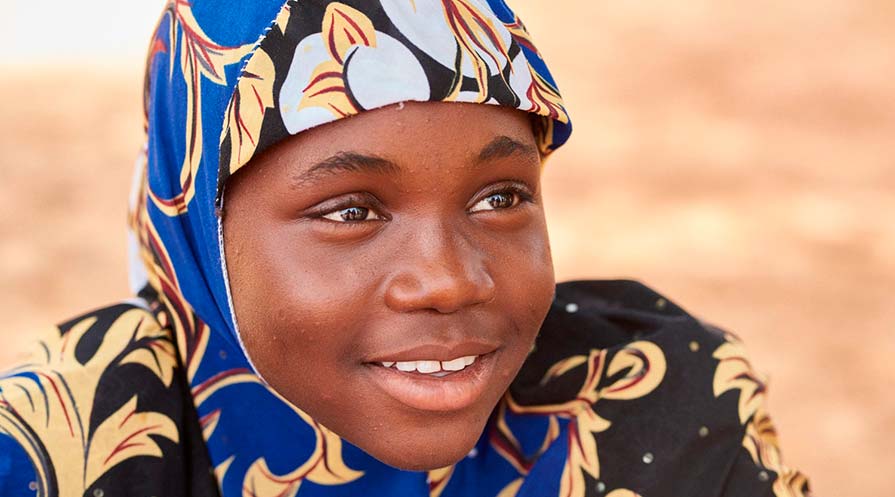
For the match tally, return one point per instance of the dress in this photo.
(625, 394)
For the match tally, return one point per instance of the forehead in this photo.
(410, 144)
(413, 131)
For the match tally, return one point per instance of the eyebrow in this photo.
(503, 147)
(500, 147)
(352, 162)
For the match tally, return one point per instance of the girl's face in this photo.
(390, 272)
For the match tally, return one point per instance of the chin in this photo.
(417, 457)
(426, 444)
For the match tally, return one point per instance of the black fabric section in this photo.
(348, 91)
(666, 423)
(666, 426)
(184, 468)
(744, 479)
(93, 338)
(609, 314)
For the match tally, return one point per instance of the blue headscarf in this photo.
(224, 81)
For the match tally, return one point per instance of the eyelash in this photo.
(521, 194)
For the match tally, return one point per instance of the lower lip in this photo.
(453, 392)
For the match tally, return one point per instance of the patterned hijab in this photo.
(224, 81)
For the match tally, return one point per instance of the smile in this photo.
(438, 369)
(431, 385)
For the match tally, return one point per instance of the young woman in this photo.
(345, 288)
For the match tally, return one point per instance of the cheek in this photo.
(526, 277)
(531, 260)
(296, 307)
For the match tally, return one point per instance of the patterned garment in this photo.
(625, 394)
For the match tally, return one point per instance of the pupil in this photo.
(500, 200)
(354, 214)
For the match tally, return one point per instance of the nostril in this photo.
(445, 293)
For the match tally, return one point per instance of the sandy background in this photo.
(737, 156)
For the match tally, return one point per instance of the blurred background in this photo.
(737, 156)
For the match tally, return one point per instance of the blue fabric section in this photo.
(192, 242)
(544, 478)
(530, 431)
(235, 23)
(17, 475)
(502, 11)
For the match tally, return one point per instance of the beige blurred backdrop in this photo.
(737, 156)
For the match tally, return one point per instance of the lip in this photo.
(453, 392)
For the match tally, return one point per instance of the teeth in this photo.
(428, 366)
(434, 368)
(406, 366)
(455, 365)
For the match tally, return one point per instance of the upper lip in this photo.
(437, 351)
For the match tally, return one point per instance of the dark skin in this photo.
(396, 232)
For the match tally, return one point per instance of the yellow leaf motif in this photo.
(220, 471)
(245, 114)
(260, 481)
(324, 466)
(327, 90)
(734, 372)
(283, 17)
(200, 57)
(159, 356)
(520, 34)
(438, 480)
(622, 493)
(642, 366)
(761, 442)
(478, 39)
(512, 489)
(582, 453)
(790, 483)
(645, 363)
(47, 404)
(126, 434)
(333, 471)
(563, 367)
(345, 27)
(209, 423)
(545, 99)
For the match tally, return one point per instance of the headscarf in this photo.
(224, 81)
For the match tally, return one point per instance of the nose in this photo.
(439, 270)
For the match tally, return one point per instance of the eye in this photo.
(501, 200)
(352, 214)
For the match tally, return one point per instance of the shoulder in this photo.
(645, 387)
(97, 393)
